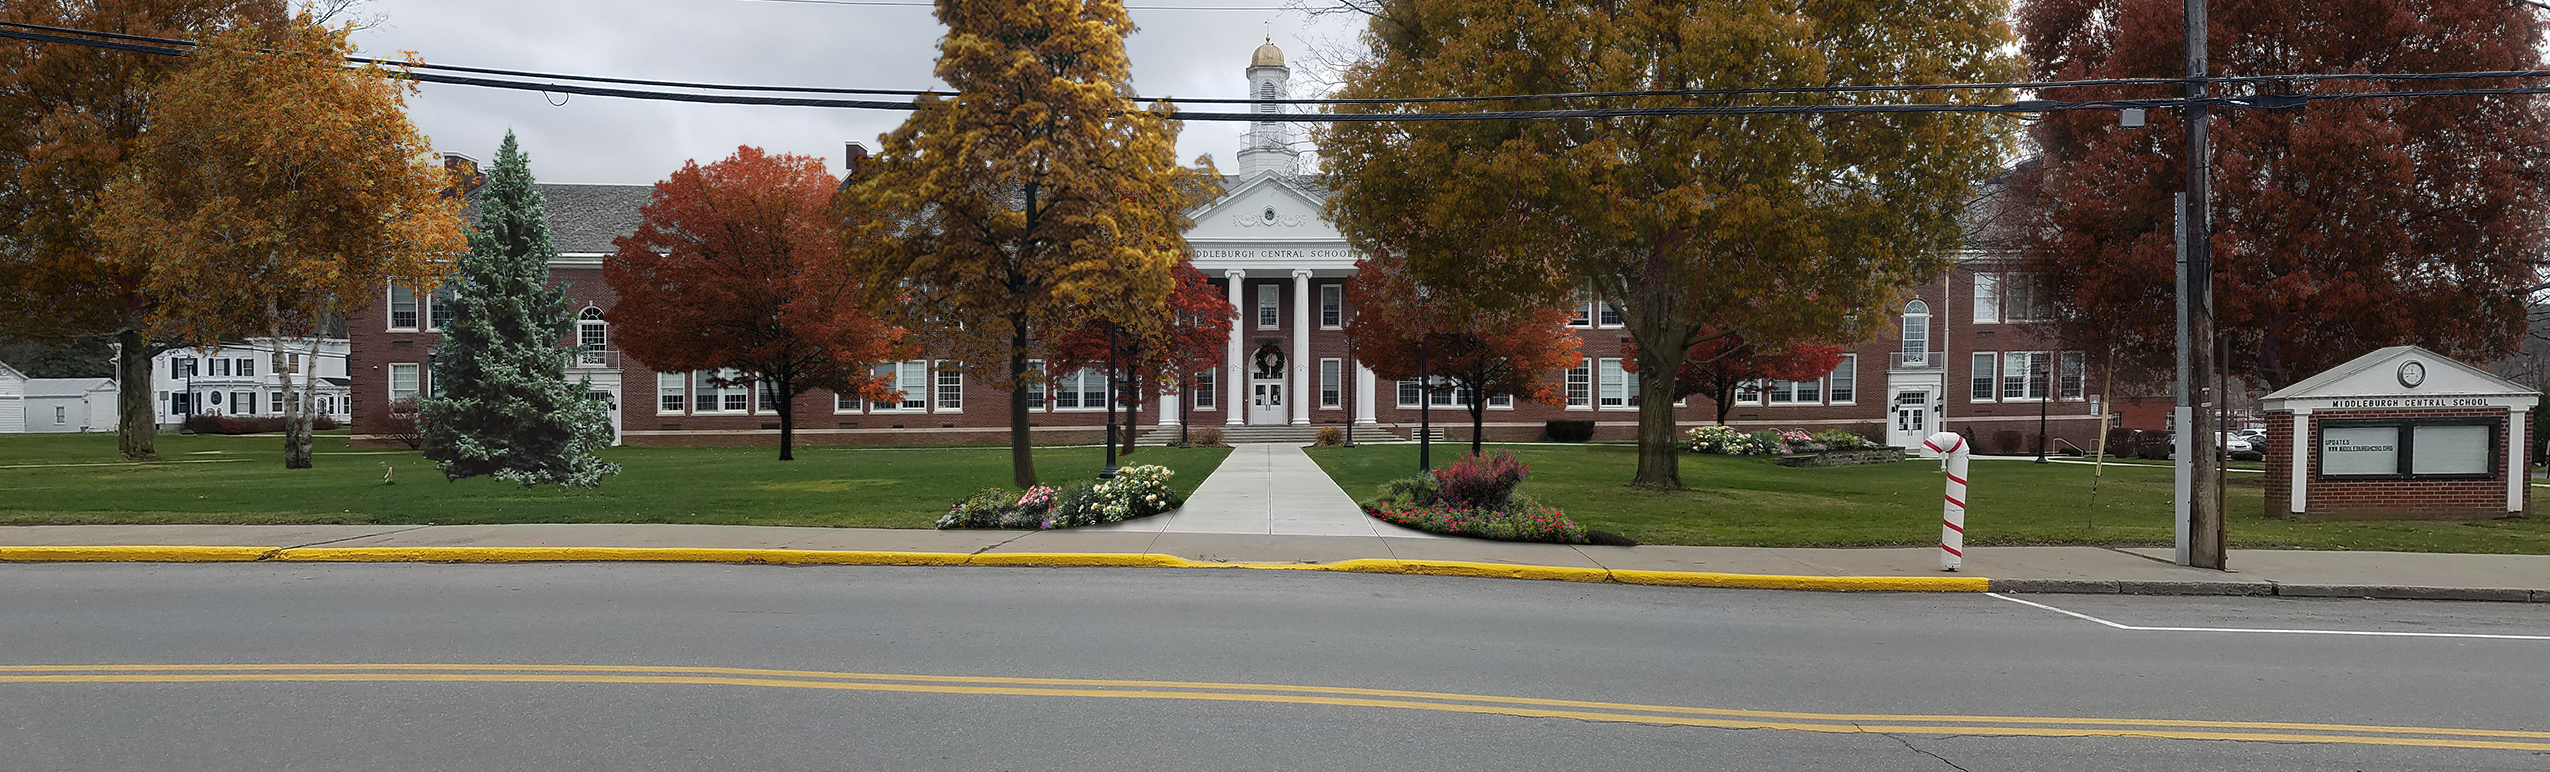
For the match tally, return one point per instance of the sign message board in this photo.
(2357, 451)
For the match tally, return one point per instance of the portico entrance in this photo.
(1266, 404)
(1912, 419)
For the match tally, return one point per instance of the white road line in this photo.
(2369, 633)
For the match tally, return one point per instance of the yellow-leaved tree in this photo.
(278, 189)
(1780, 228)
(1037, 195)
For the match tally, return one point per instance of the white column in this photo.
(1234, 373)
(2299, 495)
(1305, 366)
(2518, 466)
(1364, 409)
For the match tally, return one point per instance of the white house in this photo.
(70, 405)
(238, 379)
(13, 393)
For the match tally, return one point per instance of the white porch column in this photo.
(2299, 496)
(1169, 416)
(2518, 464)
(1305, 370)
(1364, 409)
(1235, 411)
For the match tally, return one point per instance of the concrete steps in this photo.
(1292, 435)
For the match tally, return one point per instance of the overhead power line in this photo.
(920, 4)
(423, 73)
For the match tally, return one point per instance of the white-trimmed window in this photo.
(403, 307)
(1841, 387)
(711, 398)
(1084, 389)
(247, 367)
(1613, 386)
(951, 386)
(1270, 306)
(593, 336)
(672, 392)
(1607, 315)
(1332, 306)
(220, 367)
(1035, 384)
(1445, 394)
(1987, 297)
(1583, 314)
(1986, 364)
(1332, 391)
(1204, 385)
(181, 367)
(439, 307)
(913, 379)
(847, 403)
(403, 377)
(1916, 332)
(769, 396)
(2023, 374)
(1580, 385)
(886, 373)
(2075, 370)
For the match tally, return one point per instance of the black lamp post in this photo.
(2051, 372)
(1425, 405)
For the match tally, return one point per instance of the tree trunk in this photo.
(787, 403)
(1478, 419)
(296, 452)
(1722, 395)
(309, 396)
(1659, 460)
(136, 419)
(1022, 462)
(1132, 409)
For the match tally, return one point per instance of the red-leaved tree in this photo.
(1719, 366)
(1166, 361)
(738, 265)
(1404, 330)
(2340, 227)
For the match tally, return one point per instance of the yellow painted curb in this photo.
(1825, 583)
(1466, 568)
(189, 554)
(133, 554)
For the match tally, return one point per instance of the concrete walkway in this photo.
(1269, 489)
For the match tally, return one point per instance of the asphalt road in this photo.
(107, 667)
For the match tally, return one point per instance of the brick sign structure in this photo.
(2400, 433)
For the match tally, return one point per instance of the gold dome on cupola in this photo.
(1267, 56)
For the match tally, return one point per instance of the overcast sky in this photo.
(601, 140)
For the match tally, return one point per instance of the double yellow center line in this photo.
(1670, 715)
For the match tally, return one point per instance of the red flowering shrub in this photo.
(1480, 482)
(1518, 521)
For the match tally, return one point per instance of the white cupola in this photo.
(1270, 143)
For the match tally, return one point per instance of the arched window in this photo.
(1916, 333)
(593, 337)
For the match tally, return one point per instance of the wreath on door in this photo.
(1270, 362)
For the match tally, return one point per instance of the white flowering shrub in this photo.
(1135, 491)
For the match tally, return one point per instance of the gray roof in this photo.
(66, 387)
(583, 219)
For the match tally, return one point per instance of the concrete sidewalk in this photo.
(1267, 489)
(2016, 569)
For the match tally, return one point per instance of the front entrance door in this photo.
(611, 406)
(1266, 402)
(1911, 421)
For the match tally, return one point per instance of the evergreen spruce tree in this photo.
(502, 405)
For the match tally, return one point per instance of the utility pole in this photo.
(2205, 532)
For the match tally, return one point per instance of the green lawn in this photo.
(242, 480)
(1753, 502)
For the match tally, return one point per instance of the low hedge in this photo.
(248, 424)
(1135, 491)
(1568, 430)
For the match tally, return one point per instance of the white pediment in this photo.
(2412, 376)
(1263, 208)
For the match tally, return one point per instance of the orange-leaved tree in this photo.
(276, 189)
(737, 265)
(1038, 193)
(1405, 330)
(1166, 361)
(1783, 227)
(69, 115)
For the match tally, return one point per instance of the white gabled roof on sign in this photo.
(2378, 375)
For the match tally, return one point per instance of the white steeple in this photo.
(1270, 143)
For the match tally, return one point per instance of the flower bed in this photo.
(1474, 497)
(1135, 491)
(1728, 441)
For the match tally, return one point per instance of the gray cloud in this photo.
(1189, 54)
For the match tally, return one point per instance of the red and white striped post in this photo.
(1951, 449)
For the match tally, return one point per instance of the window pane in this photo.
(1982, 375)
(2014, 375)
(1916, 331)
(1987, 297)
(1614, 383)
(402, 381)
(1810, 391)
(402, 307)
(247, 366)
(1331, 393)
(1408, 391)
(1204, 388)
(2451, 450)
(1269, 309)
(439, 307)
(1583, 316)
(2356, 451)
(1783, 392)
(951, 395)
(914, 381)
(1845, 379)
(2075, 370)
(668, 392)
(1035, 383)
(1580, 385)
(1332, 305)
(1611, 316)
